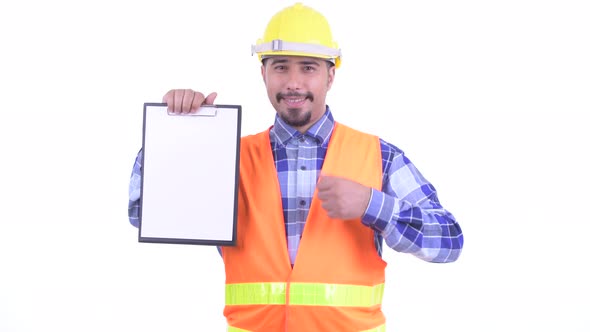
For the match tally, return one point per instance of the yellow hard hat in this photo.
(298, 30)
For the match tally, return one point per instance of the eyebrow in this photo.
(301, 62)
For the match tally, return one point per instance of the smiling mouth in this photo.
(294, 102)
(294, 99)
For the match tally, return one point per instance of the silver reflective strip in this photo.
(278, 45)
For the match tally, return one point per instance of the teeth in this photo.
(296, 100)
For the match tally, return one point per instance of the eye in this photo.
(308, 68)
(280, 68)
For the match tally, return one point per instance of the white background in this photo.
(488, 98)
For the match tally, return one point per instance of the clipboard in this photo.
(190, 174)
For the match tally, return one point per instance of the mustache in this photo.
(307, 95)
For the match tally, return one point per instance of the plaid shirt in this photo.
(406, 212)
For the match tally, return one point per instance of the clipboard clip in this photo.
(206, 110)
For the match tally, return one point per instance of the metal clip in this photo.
(277, 45)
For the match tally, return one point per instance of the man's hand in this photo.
(186, 101)
(343, 198)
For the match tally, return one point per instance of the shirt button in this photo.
(301, 202)
(303, 168)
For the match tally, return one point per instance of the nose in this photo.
(294, 80)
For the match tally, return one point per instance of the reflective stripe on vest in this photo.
(304, 294)
(255, 293)
(377, 329)
(235, 329)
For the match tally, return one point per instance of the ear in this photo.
(331, 75)
(263, 72)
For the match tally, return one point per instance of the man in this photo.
(316, 198)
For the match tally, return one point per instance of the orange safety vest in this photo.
(336, 283)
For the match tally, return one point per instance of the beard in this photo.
(295, 117)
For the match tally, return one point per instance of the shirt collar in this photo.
(321, 130)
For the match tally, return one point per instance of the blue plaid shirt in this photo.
(406, 212)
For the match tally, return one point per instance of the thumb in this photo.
(323, 181)
(168, 97)
(210, 99)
